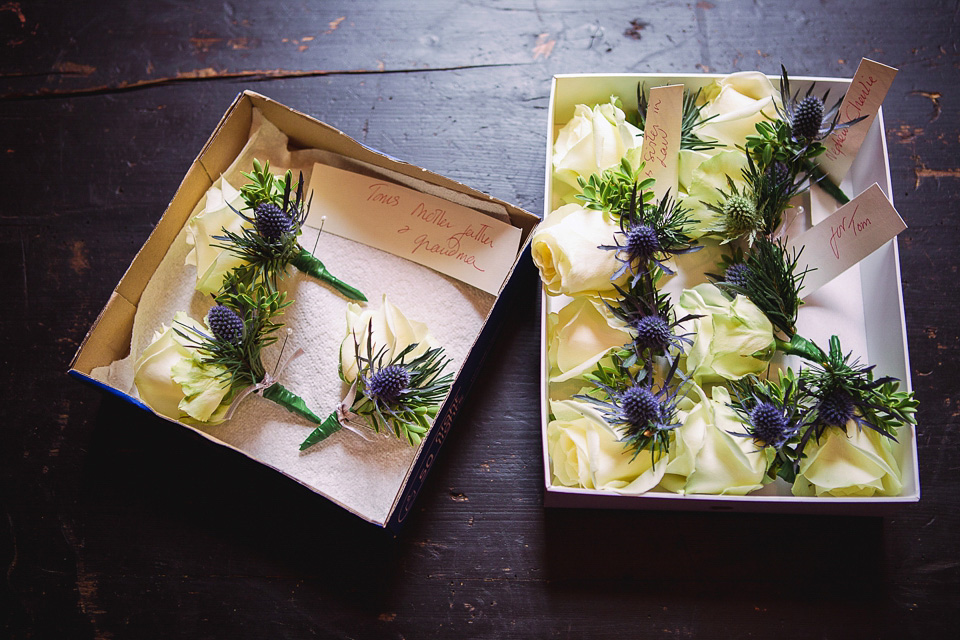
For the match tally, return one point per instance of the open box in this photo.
(109, 340)
(876, 337)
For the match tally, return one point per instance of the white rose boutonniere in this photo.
(213, 262)
(732, 337)
(565, 250)
(594, 139)
(736, 103)
(579, 335)
(586, 452)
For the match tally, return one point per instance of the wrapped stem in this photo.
(290, 401)
(826, 183)
(326, 429)
(309, 264)
(800, 346)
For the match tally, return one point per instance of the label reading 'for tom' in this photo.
(846, 237)
(454, 240)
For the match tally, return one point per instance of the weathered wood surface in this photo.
(117, 525)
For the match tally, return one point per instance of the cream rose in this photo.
(848, 462)
(738, 101)
(392, 332)
(579, 335)
(213, 263)
(564, 248)
(593, 140)
(174, 381)
(705, 183)
(733, 337)
(708, 457)
(586, 452)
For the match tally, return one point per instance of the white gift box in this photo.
(864, 306)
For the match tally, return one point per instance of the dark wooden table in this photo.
(116, 525)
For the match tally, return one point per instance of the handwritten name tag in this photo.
(847, 236)
(449, 238)
(661, 139)
(863, 98)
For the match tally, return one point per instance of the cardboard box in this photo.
(883, 335)
(110, 337)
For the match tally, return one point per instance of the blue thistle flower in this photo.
(388, 383)
(225, 324)
(737, 275)
(271, 222)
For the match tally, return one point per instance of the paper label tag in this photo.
(846, 237)
(452, 239)
(863, 98)
(661, 139)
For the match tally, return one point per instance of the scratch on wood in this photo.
(14, 7)
(78, 257)
(544, 46)
(934, 97)
(202, 45)
(456, 496)
(254, 75)
(333, 24)
(240, 43)
(921, 172)
(906, 133)
(73, 68)
(387, 617)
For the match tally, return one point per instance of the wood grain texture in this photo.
(116, 525)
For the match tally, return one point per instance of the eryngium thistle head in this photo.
(769, 425)
(642, 242)
(641, 407)
(807, 118)
(388, 383)
(225, 324)
(271, 222)
(836, 408)
(653, 332)
(740, 213)
(737, 274)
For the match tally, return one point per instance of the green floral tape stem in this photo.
(290, 401)
(326, 429)
(309, 264)
(800, 346)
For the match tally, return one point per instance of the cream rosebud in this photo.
(853, 461)
(579, 335)
(708, 456)
(564, 248)
(733, 337)
(586, 452)
(738, 101)
(593, 140)
(174, 381)
(392, 332)
(213, 263)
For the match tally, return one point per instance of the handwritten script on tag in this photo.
(847, 236)
(661, 138)
(863, 98)
(454, 240)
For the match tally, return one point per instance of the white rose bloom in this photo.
(595, 139)
(853, 461)
(586, 452)
(739, 101)
(733, 337)
(564, 248)
(708, 457)
(579, 335)
(392, 331)
(214, 263)
(172, 379)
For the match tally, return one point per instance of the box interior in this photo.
(110, 337)
(881, 337)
